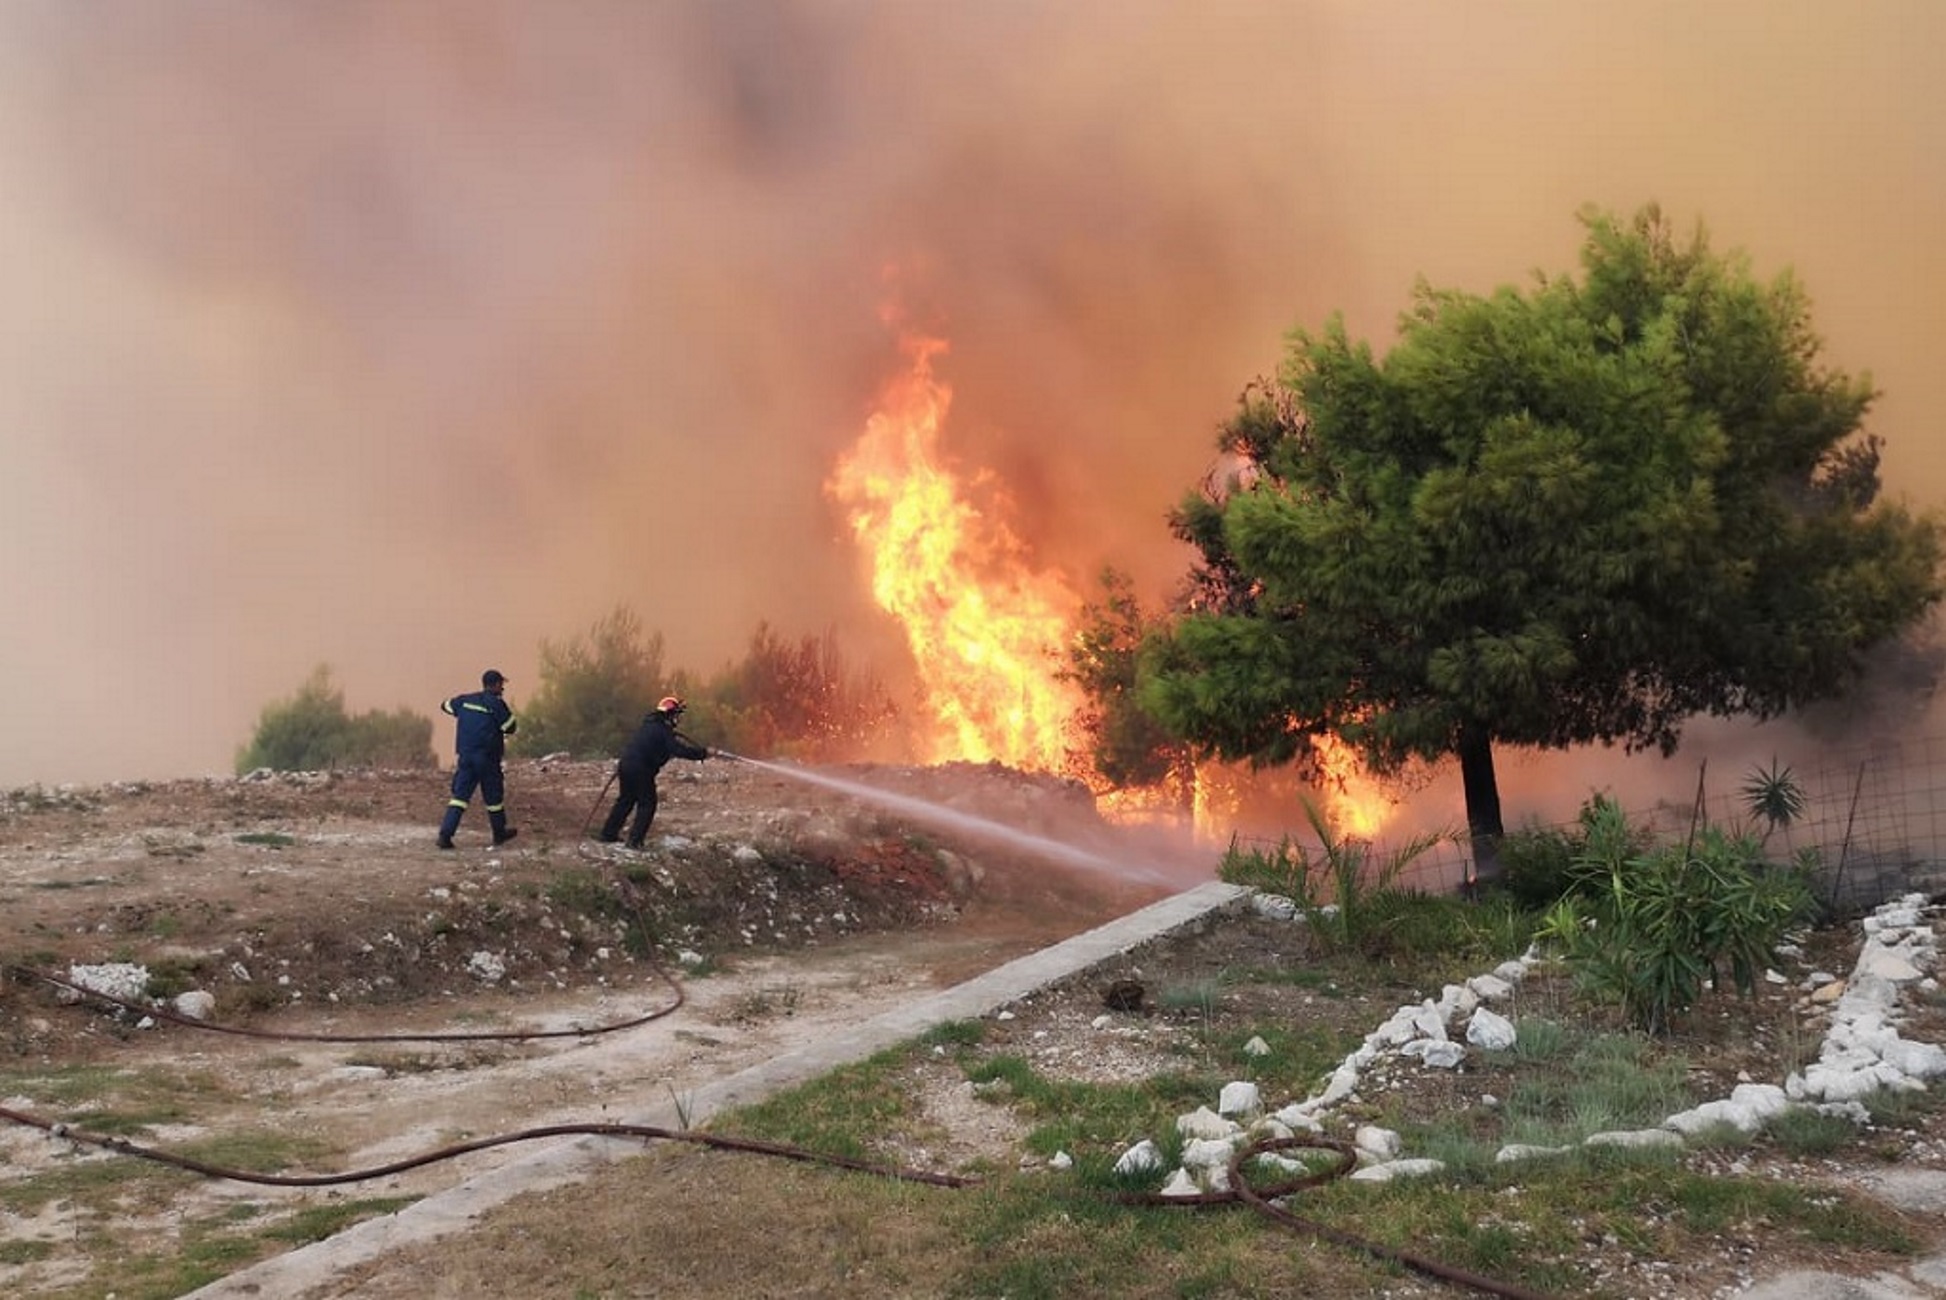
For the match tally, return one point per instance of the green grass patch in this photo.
(1319, 979)
(98, 1181)
(1086, 1117)
(129, 1123)
(17, 1253)
(267, 839)
(1299, 1056)
(836, 1114)
(113, 1101)
(1570, 1083)
(316, 1222)
(1896, 1108)
(259, 1151)
(587, 892)
(65, 1085)
(954, 1033)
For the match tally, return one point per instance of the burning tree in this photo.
(1584, 513)
(1125, 746)
(800, 699)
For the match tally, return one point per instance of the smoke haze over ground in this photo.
(399, 337)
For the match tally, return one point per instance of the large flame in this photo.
(986, 630)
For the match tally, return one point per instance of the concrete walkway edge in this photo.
(310, 1271)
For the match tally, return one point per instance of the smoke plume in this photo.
(401, 337)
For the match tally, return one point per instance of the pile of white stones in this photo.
(1862, 1054)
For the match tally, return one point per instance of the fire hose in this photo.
(1239, 1191)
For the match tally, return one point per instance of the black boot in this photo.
(503, 835)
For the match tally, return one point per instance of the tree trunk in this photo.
(1483, 824)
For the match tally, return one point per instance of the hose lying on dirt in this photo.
(1258, 1198)
(631, 897)
(299, 1036)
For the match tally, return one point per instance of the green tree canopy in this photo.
(1585, 512)
(1124, 744)
(311, 732)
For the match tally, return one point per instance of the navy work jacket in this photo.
(485, 722)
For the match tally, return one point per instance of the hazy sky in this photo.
(399, 336)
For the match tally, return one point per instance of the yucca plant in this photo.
(1774, 797)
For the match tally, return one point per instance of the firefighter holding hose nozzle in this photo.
(655, 742)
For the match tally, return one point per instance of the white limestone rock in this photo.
(1274, 906)
(116, 979)
(1490, 988)
(1415, 1168)
(1443, 1054)
(195, 1004)
(1240, 1098)
(1377, 1144)
(1641, 1138)
(1205, 1123)
(1181, 1184)
(1144, 1157)
(1490, 1031)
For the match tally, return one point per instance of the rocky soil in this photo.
(768, 910)
(313, 913)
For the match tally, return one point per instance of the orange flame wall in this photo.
(986, 630)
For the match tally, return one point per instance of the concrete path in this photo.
(1917, 1191)
(300, 1272)
(311, 1269)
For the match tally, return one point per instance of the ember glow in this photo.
(1229, 795)
(1355, 805)
(987, 630)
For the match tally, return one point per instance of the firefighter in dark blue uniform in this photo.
(485, 721)
(655, 742)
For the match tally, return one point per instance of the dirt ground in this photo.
(774, 909)
(318, 905)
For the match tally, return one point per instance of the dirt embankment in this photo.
(767, 911)
(307, 895)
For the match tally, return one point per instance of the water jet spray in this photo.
(925, 810)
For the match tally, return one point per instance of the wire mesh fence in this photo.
(1873, 822)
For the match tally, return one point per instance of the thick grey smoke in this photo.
(402, 336)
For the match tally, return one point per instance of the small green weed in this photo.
(1804, 1132)
(316, 1222)
(1193, 999)
(24, 1252)
(954, 1033)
